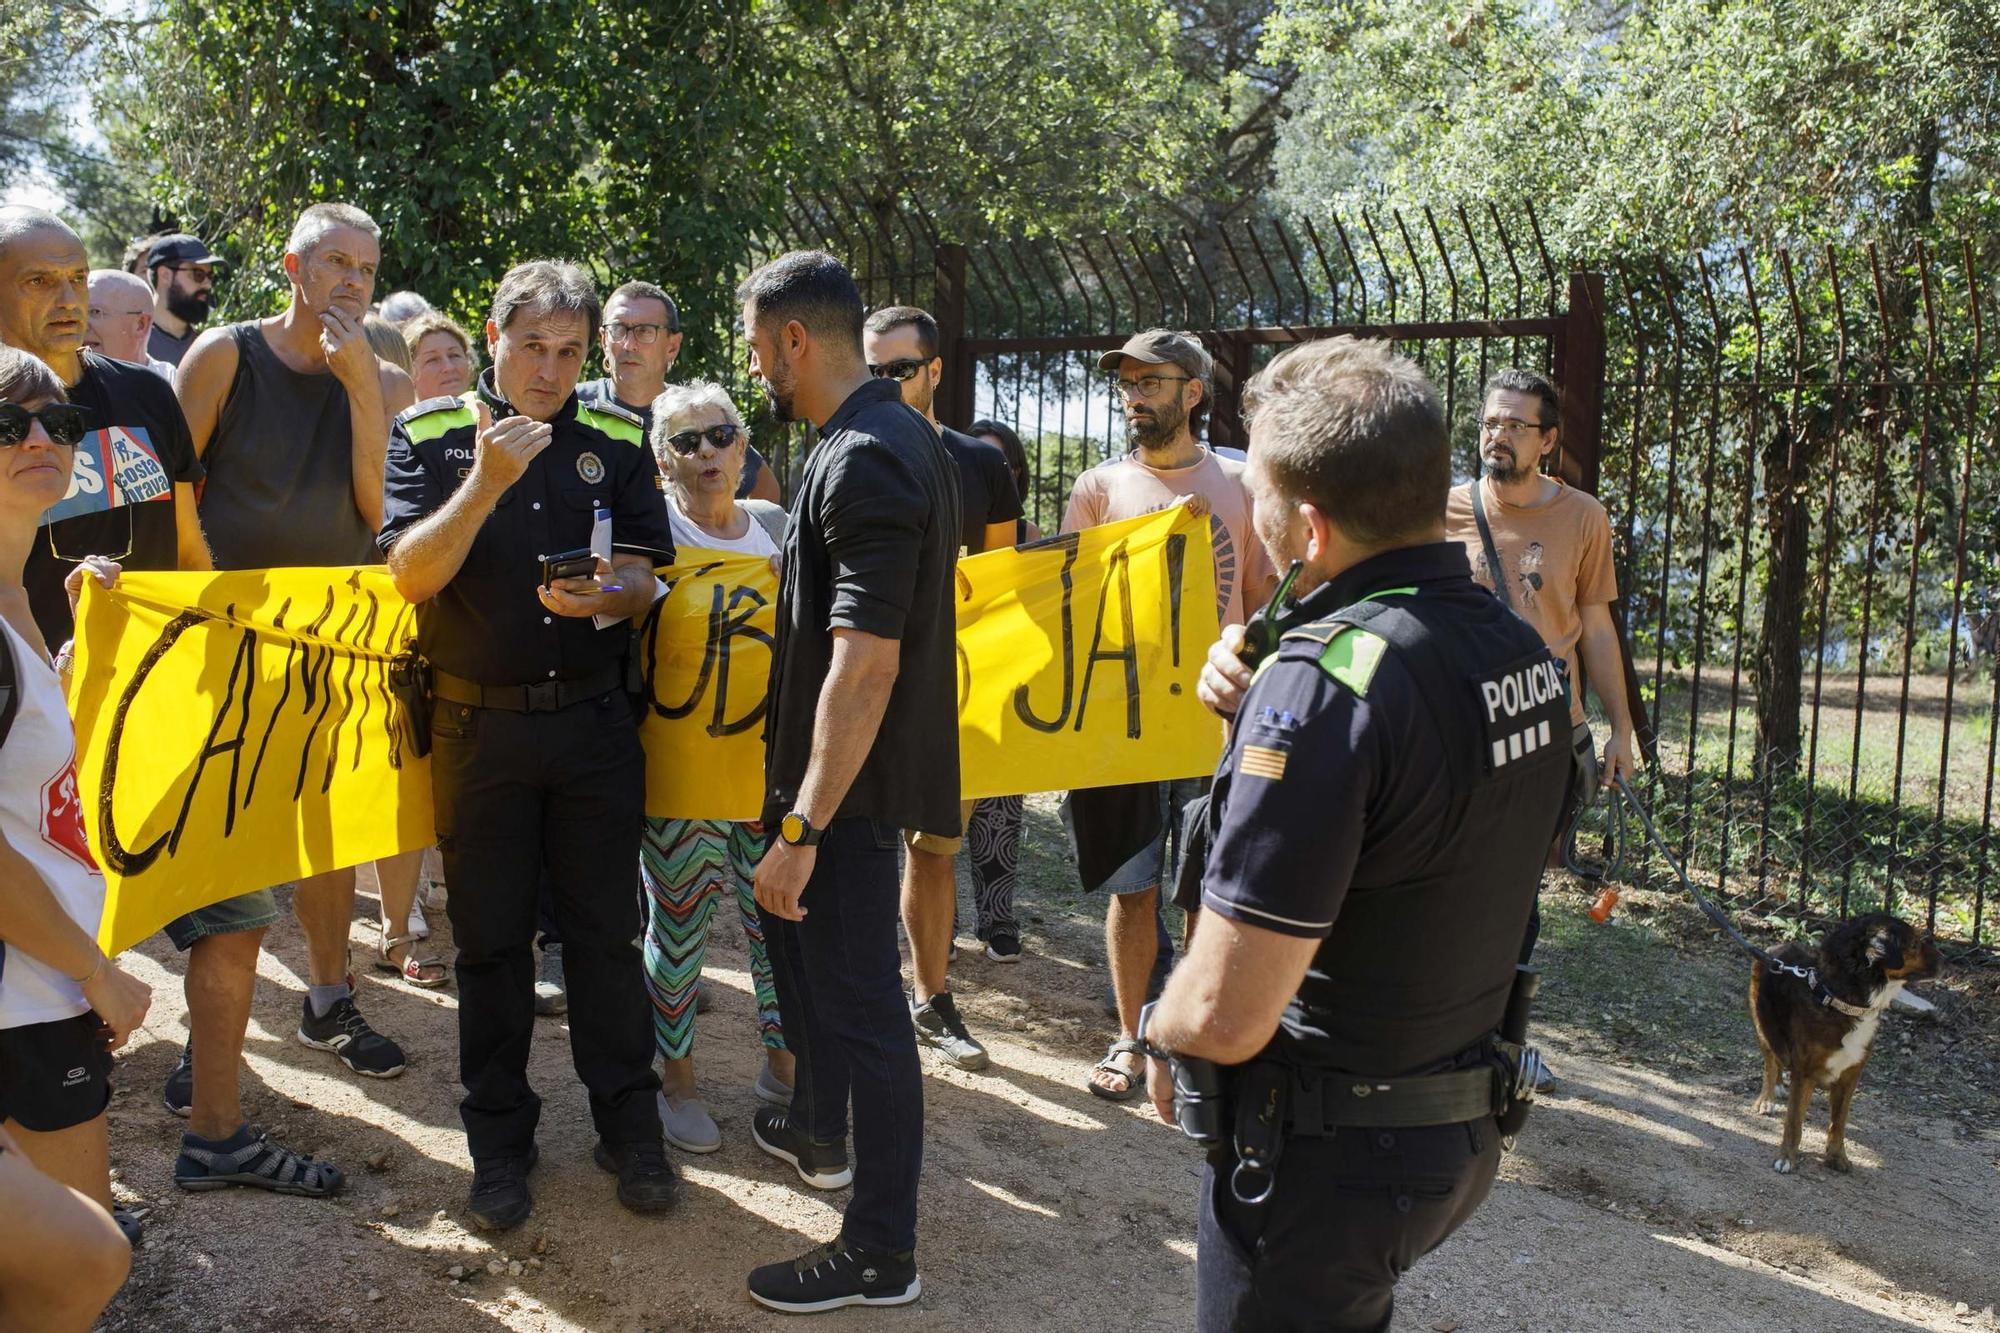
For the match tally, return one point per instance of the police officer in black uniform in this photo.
(1376, 833)
(535, 750)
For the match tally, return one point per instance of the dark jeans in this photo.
(1347, 1216)
(515, 792)
(840, 988)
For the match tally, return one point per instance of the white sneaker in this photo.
(688, 1125)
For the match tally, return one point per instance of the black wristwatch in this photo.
(795, 829)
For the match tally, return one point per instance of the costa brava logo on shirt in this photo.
(115, 466)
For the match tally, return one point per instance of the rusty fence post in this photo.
(955, 392)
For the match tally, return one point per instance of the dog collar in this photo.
(1810, 975)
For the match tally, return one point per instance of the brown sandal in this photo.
(430, 973)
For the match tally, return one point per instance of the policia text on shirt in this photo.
(1370, 855)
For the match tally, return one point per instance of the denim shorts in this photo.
(248, 911)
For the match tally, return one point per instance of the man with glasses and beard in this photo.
(901, 344)
(182, 273)
(131, 494)
(1164, 380)
(1544, 547)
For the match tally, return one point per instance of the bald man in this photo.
(121, 317)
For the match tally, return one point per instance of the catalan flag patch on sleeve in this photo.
(1261, 761)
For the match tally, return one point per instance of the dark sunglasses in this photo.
(688, 442)
(63, 422)
(905, 369)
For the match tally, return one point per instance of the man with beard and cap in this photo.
(291, 418)
(901, 343)
(1164, 379)
(1544, 547)
(863, 727)
(182, 273)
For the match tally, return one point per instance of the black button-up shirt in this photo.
(488, 624)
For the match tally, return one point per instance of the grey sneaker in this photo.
(940, 1027)
(551, 994)
(688, 1126)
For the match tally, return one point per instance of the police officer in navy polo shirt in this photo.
(1393, 777)
(535, 750)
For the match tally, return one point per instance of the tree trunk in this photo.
(1780, 666)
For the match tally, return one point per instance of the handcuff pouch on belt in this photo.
(410, 688)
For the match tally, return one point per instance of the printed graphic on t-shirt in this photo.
(117, 465)
(62, 817)
(1531, 575)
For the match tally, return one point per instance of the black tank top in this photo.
(280, 487)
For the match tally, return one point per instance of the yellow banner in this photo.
(233, 730)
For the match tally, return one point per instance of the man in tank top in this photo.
(291, 418)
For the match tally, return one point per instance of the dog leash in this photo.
(1622, 798)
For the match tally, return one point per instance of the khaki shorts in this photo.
(932, 843)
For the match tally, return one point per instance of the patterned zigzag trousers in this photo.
(687, 866)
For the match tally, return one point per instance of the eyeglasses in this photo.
(63, 422)
(900, 370)
(1509, 426)
(1145, 386)
(81, 556)
(97, 313)
(199, 270)
(687, 443)
(645, 335)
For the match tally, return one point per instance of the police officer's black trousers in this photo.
(1348, 1215)
(515, 791)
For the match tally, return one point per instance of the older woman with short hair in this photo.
(690, 865)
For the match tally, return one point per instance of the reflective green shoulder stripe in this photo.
(449, 414)
(619, 426)
(1351, 659)
(1391, 592)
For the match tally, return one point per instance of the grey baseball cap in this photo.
(1161, 347)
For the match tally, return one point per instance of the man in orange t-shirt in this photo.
(1553, 544)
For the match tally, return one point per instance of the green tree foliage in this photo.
(637, 136)
(1649, 127)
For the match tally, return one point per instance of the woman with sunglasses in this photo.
(690, 865)
(64, 1006)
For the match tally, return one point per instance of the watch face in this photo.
(792, 828)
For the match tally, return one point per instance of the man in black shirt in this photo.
(1375, 839)
(901, 343)
(863, 743)
(131, 497)
(182, 274)
(535, 752)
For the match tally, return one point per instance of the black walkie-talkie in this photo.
(1260, 636)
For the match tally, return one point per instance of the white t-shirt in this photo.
(43, 823)
(755, 541)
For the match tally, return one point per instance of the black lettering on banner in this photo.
(1117, 566)
(1068, 543)
(320, 665)
(292, 650)
(737, 625)
(1176, 562)
(244, 667)
(117, 858)
(710, 653)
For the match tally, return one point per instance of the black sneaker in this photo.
(179, 1092)
(1004, 947)
(346, 1033)
(646, 1179)
(834, 1275)
(940, 1027)
(821, 1165)
(500, 1197)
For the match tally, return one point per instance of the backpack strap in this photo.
(10, 686)
(1486, 540)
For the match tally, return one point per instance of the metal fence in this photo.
(1797, 453)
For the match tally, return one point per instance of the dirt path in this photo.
(1641, 1197)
